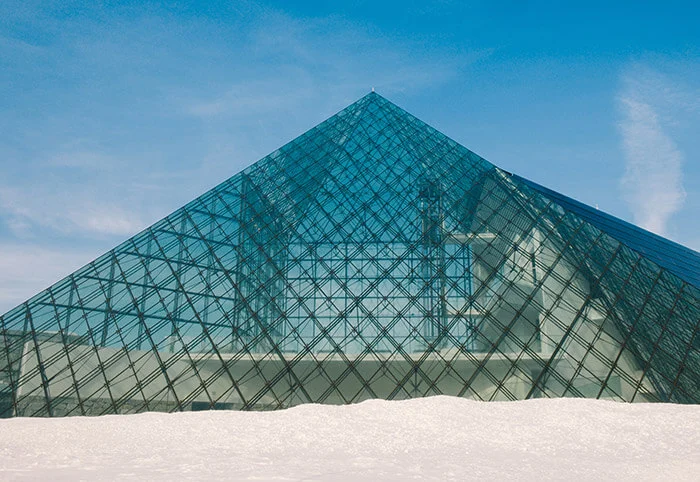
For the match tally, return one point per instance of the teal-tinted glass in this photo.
(370, 257)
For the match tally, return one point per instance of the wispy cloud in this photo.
(26, 269)
(300, 61)
(108, 220)
(81, 159)
(257, 97)
(28, 213)
(652, 184)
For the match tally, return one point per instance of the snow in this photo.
(438, 438)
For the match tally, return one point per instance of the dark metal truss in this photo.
(370, 257)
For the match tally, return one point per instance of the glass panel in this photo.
(370, 257)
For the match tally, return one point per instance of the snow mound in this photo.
(438, 438)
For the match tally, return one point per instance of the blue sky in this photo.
(114, 114)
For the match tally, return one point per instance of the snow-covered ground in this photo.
(440, 438)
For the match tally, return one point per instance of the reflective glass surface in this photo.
(371, 257)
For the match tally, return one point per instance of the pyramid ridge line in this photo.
(608, 215)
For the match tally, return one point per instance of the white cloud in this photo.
(109, 220)
(300, 61)
(26, 269)
(258, 97)
(64, 211)
(652, 184)
(81, 159)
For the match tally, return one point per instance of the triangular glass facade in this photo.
(372, 257)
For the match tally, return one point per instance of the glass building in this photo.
(371, 257)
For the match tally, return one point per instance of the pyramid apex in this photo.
(372, 94)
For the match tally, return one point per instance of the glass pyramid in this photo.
(371, 257)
